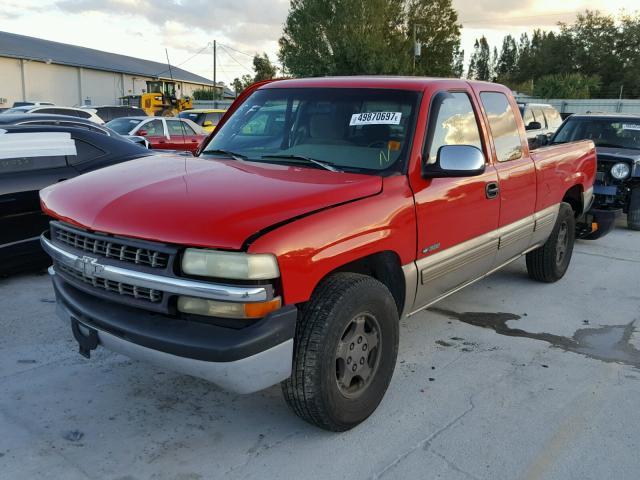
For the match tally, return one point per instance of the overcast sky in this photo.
(143, 28)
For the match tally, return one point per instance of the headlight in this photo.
(620, 171)
(230, 265)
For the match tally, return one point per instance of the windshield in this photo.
(363, 130)
(123, 125)
(605, 132)
(193, 116)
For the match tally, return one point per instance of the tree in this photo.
(572, 85)
(507, 61)
(480, 63)
(239, 84)
(351, 37)
(263, 67)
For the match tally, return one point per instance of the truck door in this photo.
(516, 191)
(457, 222)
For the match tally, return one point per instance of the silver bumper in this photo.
(246, 375)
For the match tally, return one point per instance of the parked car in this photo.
(541, 120)
(617, 140)
(86, 113)
(27, 103)
(65, 120)
(111, 112)
(207, 118)
(162, 133)
(289, 252)
(33, 157)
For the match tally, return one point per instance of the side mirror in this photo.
(542, 140)
(533, 126)
(207, 123)
(456, 161)
(141, 133)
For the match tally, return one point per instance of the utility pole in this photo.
(417, 47)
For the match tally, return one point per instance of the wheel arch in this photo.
(574, 196)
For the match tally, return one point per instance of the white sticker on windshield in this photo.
(375, 118)
(631, 126)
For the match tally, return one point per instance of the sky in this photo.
(187, 28)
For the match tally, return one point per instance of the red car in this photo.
(320, 212)
(162, 133)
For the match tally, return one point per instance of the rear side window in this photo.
(528, 116)
(553, 117)
(540, 117)
(503, 125)
(80, 113)
(86, 152)
(455, 123)
(176, 127)
(153, 128)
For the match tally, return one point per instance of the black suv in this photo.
(617, 139)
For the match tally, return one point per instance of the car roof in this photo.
(204, 110)
(375, 81)
(9, 118)
(635, 116)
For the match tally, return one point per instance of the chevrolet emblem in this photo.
(89, 266)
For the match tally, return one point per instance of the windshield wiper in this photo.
(228, 153)
(320, 163)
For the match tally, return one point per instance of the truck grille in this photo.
(110, 247)
(140, 293)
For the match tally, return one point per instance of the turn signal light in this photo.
(212, 308)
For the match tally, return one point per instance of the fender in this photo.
(310, 248)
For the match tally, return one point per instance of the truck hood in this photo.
(199, 202)
(619, 153)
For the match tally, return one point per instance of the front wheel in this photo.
(633, 215)
(549, 262)
(345, 352)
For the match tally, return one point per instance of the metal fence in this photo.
(567, 106)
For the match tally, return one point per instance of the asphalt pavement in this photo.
(508, 379)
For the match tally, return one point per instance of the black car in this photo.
(33, 157)
(617, 140)
(110, 112)
(66, 121)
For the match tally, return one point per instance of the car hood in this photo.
(199, 202)
(618, 153)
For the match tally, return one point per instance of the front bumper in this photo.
(240, 360)
(597, 223)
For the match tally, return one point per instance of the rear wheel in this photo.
(633, 215)
(345, 352)
(549, 262)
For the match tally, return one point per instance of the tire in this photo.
(549, 262)
(633, 214)
(327, 337)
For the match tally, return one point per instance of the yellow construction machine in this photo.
(159, 100)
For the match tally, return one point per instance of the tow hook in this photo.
(86, 342)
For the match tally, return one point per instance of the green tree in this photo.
(263, 67)
(572, 85)
(508, 60)
(239, 84)
(480, 63)
(351, 37)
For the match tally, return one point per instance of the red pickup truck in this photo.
(319, 213)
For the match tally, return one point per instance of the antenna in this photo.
(184, 130)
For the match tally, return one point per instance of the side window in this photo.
(553, 117)
(455, 123)
(153, 128)
(175, 127)
(30, 164)
(540, 117)
(82, 114)
(48, 110)
(86, 152)
(257, 125)
(503, 125)
(214, 117)
(527, 118)
(188, 130)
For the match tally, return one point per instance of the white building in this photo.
(32, 69)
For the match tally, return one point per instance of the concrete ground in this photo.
(543, 384)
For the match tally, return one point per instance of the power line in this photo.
(190, 58)
(234, 58)
(236, 50)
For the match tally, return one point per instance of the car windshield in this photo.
(363, 130)
(605, 132)
(123, 125)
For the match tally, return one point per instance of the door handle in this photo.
(492, 190)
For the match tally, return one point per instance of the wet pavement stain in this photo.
(611, 343)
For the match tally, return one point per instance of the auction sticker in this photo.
(375, 118)
(631, 126)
